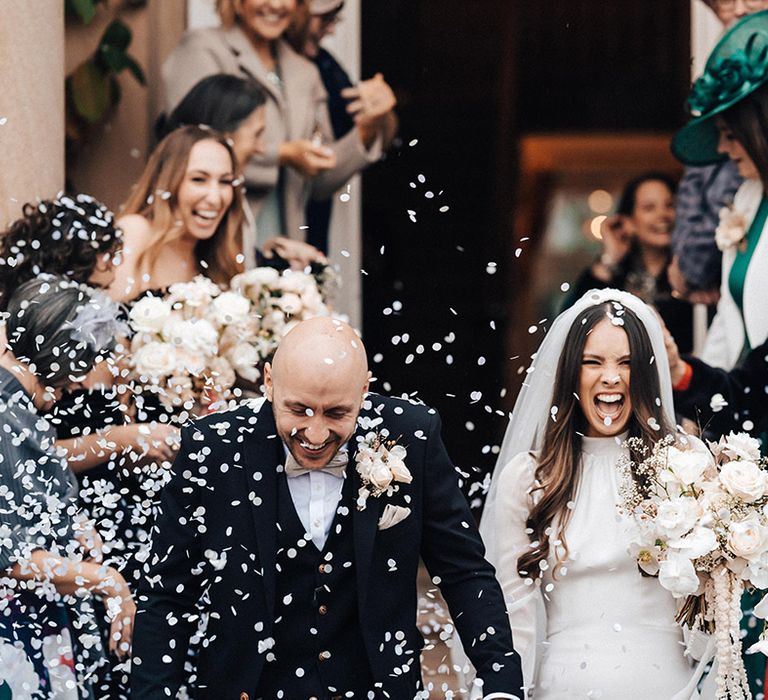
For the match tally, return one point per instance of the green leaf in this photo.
(115, 60)
(91, 92)
(85, 9)
(135, 68)
(116, 35)
(113, 54)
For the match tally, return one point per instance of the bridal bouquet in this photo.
(180, 347)
(702, 515)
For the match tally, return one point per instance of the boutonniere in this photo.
(731, 232)
(381, 465)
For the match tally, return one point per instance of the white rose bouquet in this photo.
(179, 350)
(190, 346)
(702, 515)
(279, 301)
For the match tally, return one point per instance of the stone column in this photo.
(31, 103)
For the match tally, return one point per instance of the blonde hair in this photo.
(155, 197)
(229, 13)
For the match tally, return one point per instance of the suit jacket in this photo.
(297, 111)
(730, 328)
(743, 389)
(702, 192)
(217, 533)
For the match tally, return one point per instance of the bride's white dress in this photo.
(596, 628)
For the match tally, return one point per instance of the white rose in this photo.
(741, 446)
(199, 292)
(744, 479)
(686, 467)
(229, 308)
(380, 474)
(756, 574)
(399, 471)
(195, 335)
(290, 303)
(244, 358)
(700, 541)
(313, 302)
(295, 281)
(155, 360)
(149, 314)
(677, 575)
(731, 229)
(250, 283)
(677, 516)
(747, 538)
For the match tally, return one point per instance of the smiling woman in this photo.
(636, 251)
(184, 216)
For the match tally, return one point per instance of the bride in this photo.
(585, 621)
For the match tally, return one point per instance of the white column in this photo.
(705, 31)
(31, 103)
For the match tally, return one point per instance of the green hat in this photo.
(737, 66)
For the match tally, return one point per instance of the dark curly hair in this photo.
(66, 236)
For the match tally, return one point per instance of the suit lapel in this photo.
(248, 63)
(364, 523)
(299, 92)
(264, 452)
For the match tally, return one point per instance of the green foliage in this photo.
(84, 9)
(92, 89)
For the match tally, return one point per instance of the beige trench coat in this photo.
(297, 110)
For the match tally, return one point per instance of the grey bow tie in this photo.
(336, 466)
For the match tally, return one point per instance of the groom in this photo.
(308, 563)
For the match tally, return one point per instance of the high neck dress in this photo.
(596, 628)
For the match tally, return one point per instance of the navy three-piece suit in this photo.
(285, 619)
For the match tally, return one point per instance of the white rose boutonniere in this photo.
(381, 465)
(731, 230)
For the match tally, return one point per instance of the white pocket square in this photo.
(392, 515)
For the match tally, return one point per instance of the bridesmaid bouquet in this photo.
(178, 350)
(190, 346)
(702, 515)
(279, 301)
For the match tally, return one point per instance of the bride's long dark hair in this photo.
(560, 463)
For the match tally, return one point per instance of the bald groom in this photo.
(297, 525)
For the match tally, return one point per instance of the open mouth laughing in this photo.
(609, 406)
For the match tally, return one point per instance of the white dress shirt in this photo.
(315, 497)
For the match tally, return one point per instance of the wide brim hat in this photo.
(737, 66)
(323, 7)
